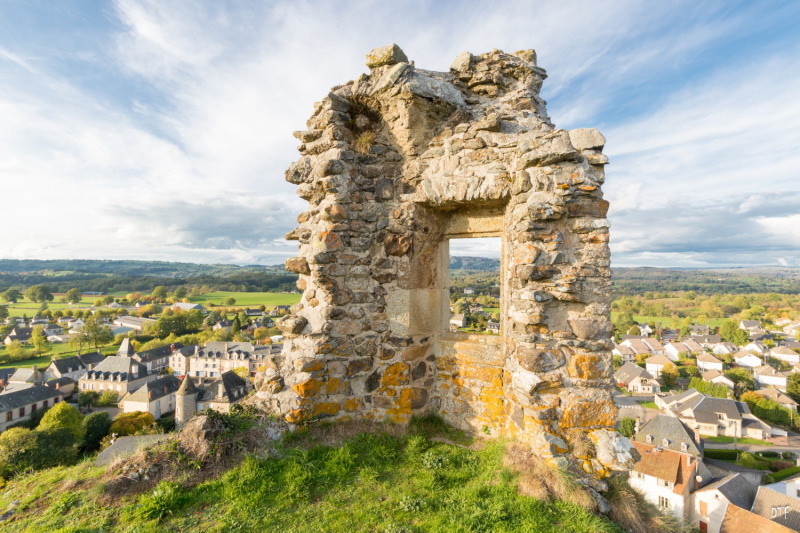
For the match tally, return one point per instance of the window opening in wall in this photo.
(475, 288)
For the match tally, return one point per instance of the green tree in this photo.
(634, 330)
(108, 299)
(72, 296)
(730, 332)
(77, 341)
(39, 340)
(130, 423)
(108, 398)
(39, 293)
(16, 352)
(159, 293)
(180, 293)
(793, 387)
(17, 445)
(88, 398)
(230, 301)
(95, 426)
(3, 312)
(212, 318)
(11, 296)
(627, 426)
(236, 326)
(742, 380)
(63, 415)
(96, 332)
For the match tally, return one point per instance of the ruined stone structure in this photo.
(393, 165)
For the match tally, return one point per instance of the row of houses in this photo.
(671, 472)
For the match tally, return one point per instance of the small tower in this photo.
(126, 348)
(185, 402)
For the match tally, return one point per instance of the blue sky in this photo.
(161, 130)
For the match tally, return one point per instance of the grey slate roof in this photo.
(92, 358)
(668, 427)
(68, 364)
(6, 373)
(158, 353)
(117, 365)
(736, 489)
(23, 375)
(153, 390)
(767, 500)
(27, 396)
(228, 387)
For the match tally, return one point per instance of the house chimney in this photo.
(637, 425)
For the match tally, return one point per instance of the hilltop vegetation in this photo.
(322, 479)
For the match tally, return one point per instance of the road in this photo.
(629, 406)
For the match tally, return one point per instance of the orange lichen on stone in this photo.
(334, 386)
(394, 375)
(295, 416)
(351, 404)
(587, 366)
(312, 366)
(308, 388)
(326, 409)
(584, 413)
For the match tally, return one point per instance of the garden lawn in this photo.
(743, 440)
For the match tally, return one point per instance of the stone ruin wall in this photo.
(394, 164)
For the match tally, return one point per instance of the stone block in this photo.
(385, 55)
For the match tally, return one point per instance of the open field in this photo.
(58, 350)
(245, 299)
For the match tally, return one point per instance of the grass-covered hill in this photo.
(337, 478)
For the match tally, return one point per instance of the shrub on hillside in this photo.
(96, 426)
(23, 449)
(63, 415)
(130, 423)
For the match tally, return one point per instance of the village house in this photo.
(253, 312)
(458, 320)
(706, 361)
(715, 416)
(656, 364)
(645, 346)
(757, 347)
(636, 379)
(223, 324)
(23, 378)
(117, 373)
(219, 394)
(22, 335)
(133, 322)
(724, 348)
(718, 378)
(699, 329)
(52, 329)
(18, 406)
(710, 503)
(671, 434)
(157, 359)
(156, 397)
(74, 367)
(785, 354)
(664, 477)
(188, 306)
(216, 358)
(747, 360)
(783, 509)
(767, 376)
(779, 396)
(280, 310)
(706, 341)
(493, 327)
(625, 353)
(792, 329)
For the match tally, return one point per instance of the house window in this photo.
(33, 408)
(9, 416)
(663, 502)
(44, 404)
(719, 416)
(21, 411)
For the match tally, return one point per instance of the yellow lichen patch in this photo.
(334, 386)
(583, 413)
(351, 404)
(394, 375)
(308, 388)
(326, 409)
(587, 366)
(296, 416)
(312, 366)
(402, 411)
(587, 187)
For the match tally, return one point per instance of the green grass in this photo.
(780, 475)
(372, 482)
(743, 440)
(649, 405)
(58, 350)
(244, 299)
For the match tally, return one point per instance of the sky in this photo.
(138, 129)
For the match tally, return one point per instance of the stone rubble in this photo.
(394, 164)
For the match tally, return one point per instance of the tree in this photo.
(634, 330)
(97, 333)
(11, 296)
(108, 398)
(212, 318)
(3, 312)
(16, 352)
(627, 426)
(63, 415)
(39, 293)
(236, 326)
(108, 299)
(179, 293)
(669, 374)
(72, 296)
(88, 398)
(230, 301)
(17, 445)
(717, 390)
(95, 426)
(39, 340)
(793, 387)
(159, 293)
(730, 332)
(742, 380)
(77, 341)
(130, 423)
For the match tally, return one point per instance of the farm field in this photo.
(58, 350)
(245, 299)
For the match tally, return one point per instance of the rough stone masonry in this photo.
(393, 165)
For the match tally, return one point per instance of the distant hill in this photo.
(636, 280)
(482, 264)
